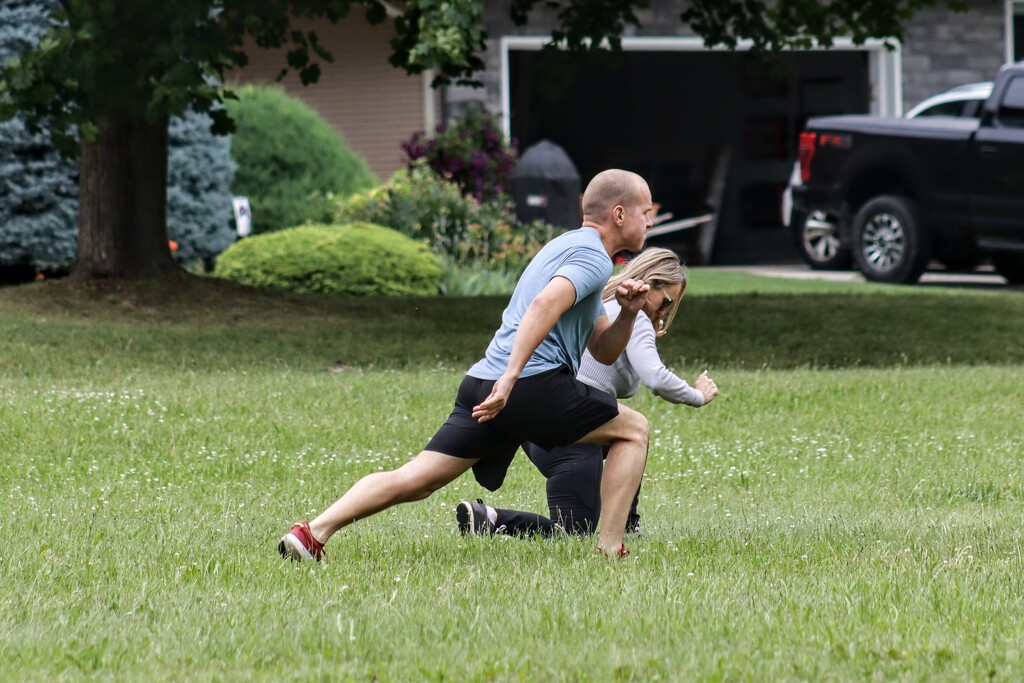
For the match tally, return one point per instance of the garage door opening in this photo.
(682, 118)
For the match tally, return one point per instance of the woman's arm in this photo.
(642, 354)
(609, 339)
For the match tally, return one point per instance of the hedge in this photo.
(359, 259)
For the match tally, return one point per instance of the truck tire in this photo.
(889, 242)
(1010, 264)
(817, 239)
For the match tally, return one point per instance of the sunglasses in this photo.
(666, 302)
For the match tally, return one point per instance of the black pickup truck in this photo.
(901, 192)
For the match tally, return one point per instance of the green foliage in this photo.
(584, 26)
(359, 260)
(802, 25)
(287, 155)
(199, 175)
(444, 35)
(39, 188)
(471, 152)
(152, 59)
(434, 211)
(478, 279)
(38, 201)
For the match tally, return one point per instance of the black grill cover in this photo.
(546, 185)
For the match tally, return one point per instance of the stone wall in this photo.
(942, 49)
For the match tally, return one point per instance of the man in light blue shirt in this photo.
(582, 261)
(525, 387)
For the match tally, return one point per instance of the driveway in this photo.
(983, 278)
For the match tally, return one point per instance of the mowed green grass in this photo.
(848, 509)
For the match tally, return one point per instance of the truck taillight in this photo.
(808, 142)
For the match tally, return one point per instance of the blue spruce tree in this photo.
(38, 188)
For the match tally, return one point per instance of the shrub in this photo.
(471, 152)
(286, 155)
(433, 211)
(39, 188)
(199, 174)
(478, 279)
(360, 259)
(38, 201)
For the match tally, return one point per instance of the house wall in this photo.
(373, 105)
(942, 49)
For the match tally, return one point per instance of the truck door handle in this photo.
(989, 150)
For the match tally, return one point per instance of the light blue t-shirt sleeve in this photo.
(586, 271)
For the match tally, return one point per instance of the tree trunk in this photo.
(122, 205)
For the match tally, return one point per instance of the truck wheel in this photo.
(817, 236)
(890, 244)
(1010, 264)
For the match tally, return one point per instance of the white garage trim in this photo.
(884, 66)
(1012, 8)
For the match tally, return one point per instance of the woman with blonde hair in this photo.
(573, 472)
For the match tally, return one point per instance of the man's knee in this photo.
(638, 429)
(629, 426)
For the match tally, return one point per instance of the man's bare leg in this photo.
(415, 480)
(623, 470)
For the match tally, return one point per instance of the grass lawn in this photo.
(848, 509)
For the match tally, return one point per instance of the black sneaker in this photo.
(472, 518)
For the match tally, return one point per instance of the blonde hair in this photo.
(657, 267)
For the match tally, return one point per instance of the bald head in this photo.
(609, 189)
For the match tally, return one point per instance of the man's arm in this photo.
(609, 339)
(557, 297)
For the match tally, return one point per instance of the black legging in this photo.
(573, 476)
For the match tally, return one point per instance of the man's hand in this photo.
(493, 404)
(631, 295)
(706, 386)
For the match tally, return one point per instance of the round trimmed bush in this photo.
(287, 155)
(359, 259)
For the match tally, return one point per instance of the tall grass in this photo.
(478, 279)
(851, 517)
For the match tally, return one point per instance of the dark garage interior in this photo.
(711, 131)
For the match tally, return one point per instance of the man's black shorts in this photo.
(550, 409)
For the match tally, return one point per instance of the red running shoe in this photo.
(623, 551)
(299, 544)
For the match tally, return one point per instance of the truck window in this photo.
(972, 108)
(954, 108)
(1011, 109)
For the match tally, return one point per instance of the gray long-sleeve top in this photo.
(639, 363)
